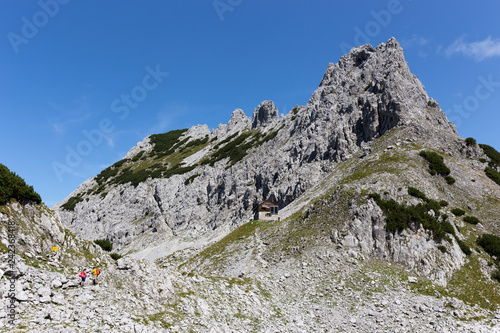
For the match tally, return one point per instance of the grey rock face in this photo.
(239, 121)
(265, 113)
(39, 230)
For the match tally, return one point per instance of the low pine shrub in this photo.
(493, 174)
(496, 275)
(436, 162)
(416, 193)
(464, 247)
(190, 179)
(115, 256)
(105, 244)
(71, 203)
(472, 220)
(470, 141)
(400, 216)
(458, 211)
(490, 243)
(14, 187)
(166, 143)
(491, 153)
(450, 180)
(443, 203)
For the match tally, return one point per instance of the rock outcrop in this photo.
(264, 114)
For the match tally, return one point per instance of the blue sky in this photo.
(81, 82)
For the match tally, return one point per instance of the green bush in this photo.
(190, 179)
(71, 203)
(436, 162)
(138, 156)
(235, 149)
(496, 275)
(400, 216)
(122, 162)
(464, 247)
(194, 143)
(472, 220)
(458, 212)
(135, 178)
(442, 248)
(493, 174)
(447, 227)
(450, 180)
(226, 140)
(470, 141)
(166, 143)
(106, 174)
(490, 243)
(105, 244)
(115, 256)
(416, 193)
(491, 153)
(177, 170)
(14, 187)
(443, 203)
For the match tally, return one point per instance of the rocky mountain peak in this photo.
(220, 177)
(373, 90)
(264, 114)
(238, 121)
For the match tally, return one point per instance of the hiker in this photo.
(96, 274)
(83, 275)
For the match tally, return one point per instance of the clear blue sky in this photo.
(67, 67)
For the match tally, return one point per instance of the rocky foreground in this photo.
(320, 291)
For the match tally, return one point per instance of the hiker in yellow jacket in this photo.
(96, 273)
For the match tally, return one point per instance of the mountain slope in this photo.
(177, 187)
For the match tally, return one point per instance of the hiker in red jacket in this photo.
(83, 275)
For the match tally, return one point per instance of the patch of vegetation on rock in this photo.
(399, 217)
(490, 243)
(493, 174)
(442, 248)
(237, 149)
(450, 180)
(436, 162)
(115, 256)
(492, 153)
(471, 220)
(190, 179)
(464, 247)
(105, 244)
(166, 143)
(470, 141)
(458, 211)
(443, 203)
(71, 203)
(14, 187)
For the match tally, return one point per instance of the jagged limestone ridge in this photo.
(183, 193)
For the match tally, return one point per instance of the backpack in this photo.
(82, 274)
(97, 272)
